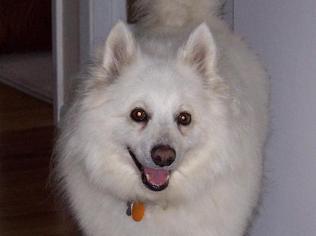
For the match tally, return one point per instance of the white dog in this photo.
(165, 135)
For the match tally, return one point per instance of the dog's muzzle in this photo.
(156, 179)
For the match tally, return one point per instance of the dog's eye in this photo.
(139, 115)
(184, 118)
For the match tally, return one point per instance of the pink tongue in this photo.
(156, 177)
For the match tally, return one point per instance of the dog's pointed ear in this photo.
(200, 51)
(120, 49)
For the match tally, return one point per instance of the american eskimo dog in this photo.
(165, 133)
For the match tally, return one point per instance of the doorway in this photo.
(27, 205)
(25, 47)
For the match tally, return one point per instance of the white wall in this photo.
(283, 32)
(97, 18)
(229, 12)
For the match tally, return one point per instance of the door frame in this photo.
(58, 56)
(97, 17)
(78, 27)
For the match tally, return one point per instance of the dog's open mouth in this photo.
(153, 179)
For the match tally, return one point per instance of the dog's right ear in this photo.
(200, 51)
(120, 50)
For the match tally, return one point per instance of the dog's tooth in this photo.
(148, 177)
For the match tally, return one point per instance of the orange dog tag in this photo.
(138, 211)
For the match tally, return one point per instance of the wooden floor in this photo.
(27, 205)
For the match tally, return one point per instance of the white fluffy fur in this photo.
(166, 69)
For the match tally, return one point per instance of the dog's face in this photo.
(149, 130)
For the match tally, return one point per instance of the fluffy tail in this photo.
(176, 13)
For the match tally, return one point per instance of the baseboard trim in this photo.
(26, 90)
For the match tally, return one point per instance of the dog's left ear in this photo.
(120, 49)
(200, 51)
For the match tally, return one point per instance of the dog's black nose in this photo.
(163, 155)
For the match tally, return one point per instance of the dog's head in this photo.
(148, 128)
